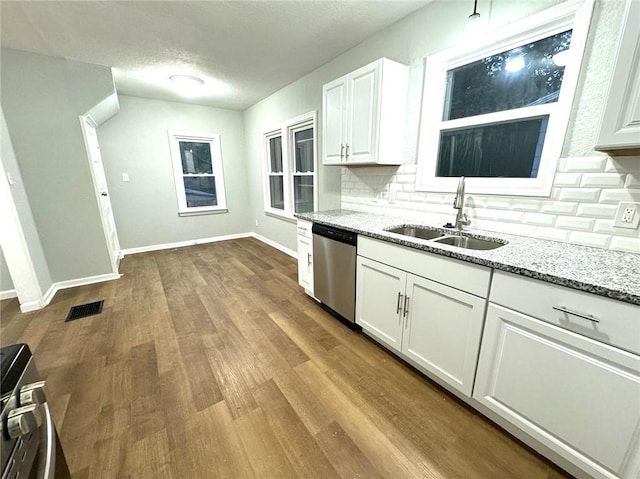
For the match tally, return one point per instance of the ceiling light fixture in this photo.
(187, 84)
(473, 22)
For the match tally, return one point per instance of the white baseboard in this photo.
(277, 246)
(8, 294)
(181, 244)
(32, 306)
(72, 283)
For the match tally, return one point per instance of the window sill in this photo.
(203, 212)
(281, 216)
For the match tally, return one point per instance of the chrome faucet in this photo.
(458, 204)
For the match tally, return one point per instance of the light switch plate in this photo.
(125, 177)
(627, 216)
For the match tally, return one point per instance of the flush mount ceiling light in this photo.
(187, 84)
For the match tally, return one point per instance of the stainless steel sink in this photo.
(416, 232)
(469, 243)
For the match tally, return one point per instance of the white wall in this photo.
(145, 208)
(41, 98)
(588, 185)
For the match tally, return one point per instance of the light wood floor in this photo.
(210, 362)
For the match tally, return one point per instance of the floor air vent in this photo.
(84, 310)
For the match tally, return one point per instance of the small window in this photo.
(497, 112)
(197, 166)
(290, 164)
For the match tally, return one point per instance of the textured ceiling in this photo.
(244, 50)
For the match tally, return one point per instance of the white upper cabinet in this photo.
(620, 128)
(363, 115)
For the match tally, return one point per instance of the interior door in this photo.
(100, 185)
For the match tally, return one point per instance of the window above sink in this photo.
(495, 110)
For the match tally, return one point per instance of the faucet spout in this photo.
(458, 204)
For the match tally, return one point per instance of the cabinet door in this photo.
(443, 331)
(620, 124)
(379, 301)
(363, 105)
(579, 397)
(305, 263)
(334, 101)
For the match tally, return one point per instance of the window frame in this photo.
(217, 171)
(287, 132)
(572, 15)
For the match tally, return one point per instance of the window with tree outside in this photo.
(498, 115)
(197, 167)
(290, 165)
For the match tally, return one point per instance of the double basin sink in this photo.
(460, 240)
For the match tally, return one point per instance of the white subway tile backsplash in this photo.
(605, 180)
(567, 179)
(596, 210)
(526, 205)
(552, 234)
(592, 164)
(559, 208)
(606, 227)
(539, 219)
(580, 209)
(632, 181)
(590, 239)
(617, 195)
(498, 203)
(579, 194)
(575, 224)
(500, 215)
(630, 245)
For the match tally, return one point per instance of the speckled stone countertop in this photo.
(603, 272)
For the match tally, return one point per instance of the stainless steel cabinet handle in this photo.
(574, 313)
(399, 302)
(341, 151)
(308, 259)
(406, 306)
(346, 152)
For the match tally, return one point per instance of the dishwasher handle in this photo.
(335, 234)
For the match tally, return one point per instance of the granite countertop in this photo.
(612, 274)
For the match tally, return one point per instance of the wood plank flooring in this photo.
(211, 362)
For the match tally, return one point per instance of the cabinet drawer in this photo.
(607, 320)
(304, 228)
(468, 277)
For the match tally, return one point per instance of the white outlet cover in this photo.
(627, 216)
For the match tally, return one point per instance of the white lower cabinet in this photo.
(305, 256)
(575, 395)
(436, 327)
(379, 301)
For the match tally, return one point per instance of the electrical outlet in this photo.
(627, 216)
(257, 224)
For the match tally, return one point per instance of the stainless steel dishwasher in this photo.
(334, 269)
